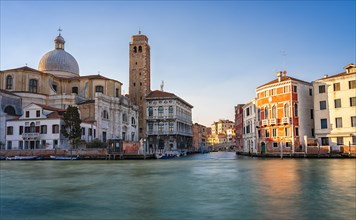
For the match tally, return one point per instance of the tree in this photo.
(72, 129)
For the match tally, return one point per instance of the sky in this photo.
(212, 54)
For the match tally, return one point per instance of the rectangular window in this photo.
(43, 129)
(337, 103)
(75, 90)
(336, 86)
(275, 144)
(324, 141)
(340, 141)
(353, 140)
(10, 130)
(20, 129)
(352, 84)
(94, 133)
(312, 132)
(353, 121)
(297, 132)
(288, 144)
(20, 145)
(322, 105)
(83, 131)
(38, 113)
(310, 92)
(323, 123)
(338, 122)
(274, 132)
(27, 114)
(322, 89)
(247, 111)
(90, 132)
(43, 143)
(55, 129)
(150, 126)
(294, 88)
(311, 113)
(55, 143)
(267, 133)
(117, 92)
(353, 101)
(286, 132)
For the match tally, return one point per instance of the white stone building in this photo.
(335, 108)
(249, 130)
(169, 122)
(57, 84)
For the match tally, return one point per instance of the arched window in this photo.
(266, 112)
(133, 121)
(150, 111)
(258, 114)
(160, 110)
(135, 49)
(170, 109)
(274, 111)
(140, 49)
(9, 82)
(75, 90)
(295, 109)
(32, 85)
(124, 117)
(105, 114)
(286, 110)
(10, 110)
(32, 127)
(99, 89)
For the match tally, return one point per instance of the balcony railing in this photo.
(30, 136)
(286, 120)
(273, 121)
(265, 122)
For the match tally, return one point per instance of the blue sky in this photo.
(213, 54)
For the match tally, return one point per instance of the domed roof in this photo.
(58, 61)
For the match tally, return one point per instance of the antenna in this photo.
(162, 85)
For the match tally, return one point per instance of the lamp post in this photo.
(281, 145)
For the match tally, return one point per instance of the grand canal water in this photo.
(207, 186)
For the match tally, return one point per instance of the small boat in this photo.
(23, 158)
(168, 154)
(64, 158)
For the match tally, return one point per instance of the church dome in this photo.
(58, 61)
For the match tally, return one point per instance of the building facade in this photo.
(200, 137)
(140, 77)
(284, 113)
(239, 127)
(169, 122)
(57, 84)
(249, 128)
(222, 131)
(335, 109)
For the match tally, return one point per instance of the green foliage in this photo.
(72, 129)
(96, 143)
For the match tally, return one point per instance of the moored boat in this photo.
(64, 158)
(23, 158)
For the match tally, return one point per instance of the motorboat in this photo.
(23, 158)
(64, 158)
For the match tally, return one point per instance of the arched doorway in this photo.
(263, 147)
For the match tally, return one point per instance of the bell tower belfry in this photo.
(140, 77)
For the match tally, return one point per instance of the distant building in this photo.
(335, 108)
(284, 112)
(200, 137)
(239, 127)
(169, 122)
(250, 131)
(57, 84)
(219, 132)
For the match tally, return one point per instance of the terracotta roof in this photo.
(24, 68)
(336, 75)
(54, 115)
(47, 107)
(283, 78)
(98, 76)
(160, 94)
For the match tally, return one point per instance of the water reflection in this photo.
(209, 186)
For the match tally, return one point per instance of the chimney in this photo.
(285, 73)
(326, 75)
(279, 76)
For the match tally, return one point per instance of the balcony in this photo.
(273, 121)
(30, 136)
(286, 120)
(265, 122)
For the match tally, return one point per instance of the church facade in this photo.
(57, 83)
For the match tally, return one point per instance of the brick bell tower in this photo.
(140, 77)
